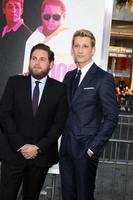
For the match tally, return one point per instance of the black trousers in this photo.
(12, 176)
(78, 177)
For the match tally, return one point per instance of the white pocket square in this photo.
(89, 88)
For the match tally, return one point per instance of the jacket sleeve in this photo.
(110, 111)
(7, 117)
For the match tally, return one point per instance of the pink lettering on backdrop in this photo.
(60, 69)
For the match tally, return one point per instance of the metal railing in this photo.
(115, 171)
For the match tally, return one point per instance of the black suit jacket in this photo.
(21, 127)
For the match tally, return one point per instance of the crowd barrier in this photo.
(114, 178)
(115, 171)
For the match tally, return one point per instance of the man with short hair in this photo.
(33, 110)
(92, 117)
(13, 10)
(52, 32)
(12, 40)
(52, 16)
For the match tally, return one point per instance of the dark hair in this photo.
(59, 3)
(45, 48)
(20, 1)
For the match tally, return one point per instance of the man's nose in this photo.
(80, 49)
(13, 9)
(37, 61)
(51, 19)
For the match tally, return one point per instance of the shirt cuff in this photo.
(21, 148)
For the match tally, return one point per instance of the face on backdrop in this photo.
(39, 64)
(52, 18)
(13, 12)
(82, 51)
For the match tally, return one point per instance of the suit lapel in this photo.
(88, 77)
(46, 93)
(73, 74)
(29, 90)
(25, 88)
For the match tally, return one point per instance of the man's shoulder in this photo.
(25, 29)
(55, 82)
(103, 77)
(18, 78)
(102, 72)
(56, 85)
(71, 72)
(36, 35)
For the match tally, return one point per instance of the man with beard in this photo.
(33, 110)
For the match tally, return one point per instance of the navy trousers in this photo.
(78, 177)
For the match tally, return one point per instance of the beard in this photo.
(38, 74)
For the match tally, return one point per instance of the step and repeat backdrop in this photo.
(24, 23)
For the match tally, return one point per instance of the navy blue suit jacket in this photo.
(93, 113)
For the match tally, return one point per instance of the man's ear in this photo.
(51, 64)
(93, 51)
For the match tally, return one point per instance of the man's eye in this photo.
(76, 46)
(33, 58)
(42, 59)
(86, 46)
(10, 6)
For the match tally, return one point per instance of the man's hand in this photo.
(26, 74)
(90, 153)
(29, 151)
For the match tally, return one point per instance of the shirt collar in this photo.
(85, 69)
(14, 28)
(55, 33)
(43, 80)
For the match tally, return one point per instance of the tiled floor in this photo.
(112, 182)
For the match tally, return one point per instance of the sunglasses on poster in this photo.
(55, 17)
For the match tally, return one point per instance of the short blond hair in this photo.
(84, 33)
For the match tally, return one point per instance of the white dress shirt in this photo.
(84, 70)
(42, 83)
